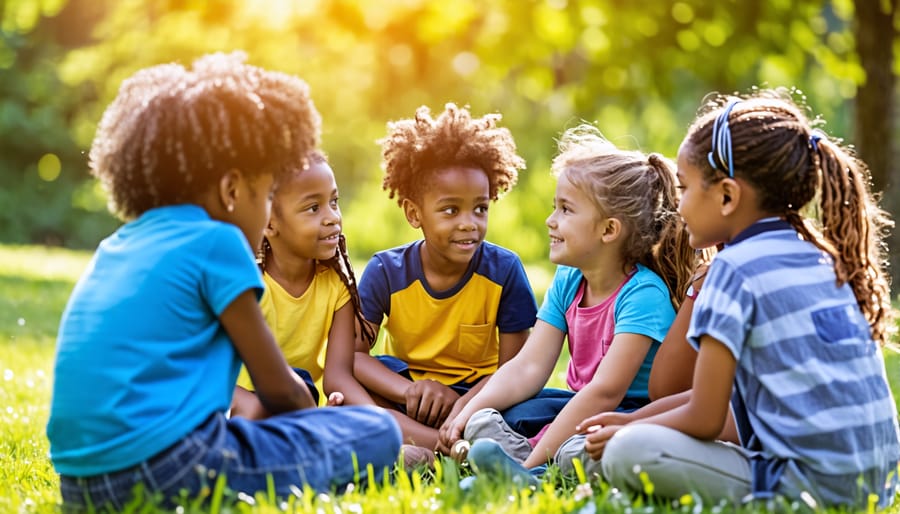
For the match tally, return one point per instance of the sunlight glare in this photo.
(278, 14)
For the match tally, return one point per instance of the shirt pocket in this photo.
(475, 341)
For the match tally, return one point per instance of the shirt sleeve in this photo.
(723, 309)
(229, 270)
(644, 309)
(374, 293)
(559, 296)
(518, 307)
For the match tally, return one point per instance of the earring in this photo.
(231, 207)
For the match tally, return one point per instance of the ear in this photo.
(228, 188)
(610, 230)
(730, 190)
(270, 231)
(411, 210)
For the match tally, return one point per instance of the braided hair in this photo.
(795, 167)
(339, 262)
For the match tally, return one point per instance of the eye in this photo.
(481, 209)
(450, 211)
(334, 203)
(312, 208)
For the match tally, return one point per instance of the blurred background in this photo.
(637, 69)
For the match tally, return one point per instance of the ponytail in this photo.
(672, 258)
(853, 228)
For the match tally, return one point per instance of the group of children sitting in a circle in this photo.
(210, 326)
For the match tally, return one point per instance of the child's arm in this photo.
(516, 380)
(705, 413)
(339, 357)
(604, 393)
(376, 377)
(278, 387)
(673, 366)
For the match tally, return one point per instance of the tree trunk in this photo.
(874, 32)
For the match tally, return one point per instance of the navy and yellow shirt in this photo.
(450, 336)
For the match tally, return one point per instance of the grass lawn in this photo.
(34, 285)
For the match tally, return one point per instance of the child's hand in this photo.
(335, 399)
(451, 432)
(429, 402)
(603, 419)
(597, 437)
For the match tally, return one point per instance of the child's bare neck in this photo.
(293, 274)
(602, 283)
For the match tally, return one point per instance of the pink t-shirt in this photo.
(591, 332)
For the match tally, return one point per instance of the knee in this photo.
(630, 450)
(571, 449)
(482, 419)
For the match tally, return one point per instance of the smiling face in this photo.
(306, 219)
(700, 205)
(453, 215)
(575, 226)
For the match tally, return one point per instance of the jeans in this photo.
(323, 448)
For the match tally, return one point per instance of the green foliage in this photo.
(638, 70)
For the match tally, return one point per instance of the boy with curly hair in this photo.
(456, 305)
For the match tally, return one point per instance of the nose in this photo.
(551, 220)
(466, 223)
(333, 216)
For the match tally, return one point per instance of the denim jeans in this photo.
(323, 448)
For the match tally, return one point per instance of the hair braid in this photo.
(340, 263)
(854, 224)
(793, 167)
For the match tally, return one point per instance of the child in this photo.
(446, 297)
(152, 338)
(788, 324)
(310, 295)
(621, 252)
(673, 366)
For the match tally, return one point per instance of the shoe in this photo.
(489, 424)
(459, 451)
(416, 456)
(487, 458)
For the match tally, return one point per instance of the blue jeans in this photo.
(530, 416)
(323, 448)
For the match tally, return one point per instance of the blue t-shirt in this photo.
(810, 390)
(142, 358)
(643, 306)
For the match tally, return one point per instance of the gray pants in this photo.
(675, 464)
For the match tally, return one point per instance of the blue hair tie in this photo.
(721, 141)
(814, 139)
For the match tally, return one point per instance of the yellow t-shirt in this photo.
(301, 325)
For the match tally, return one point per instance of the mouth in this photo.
(555, 240)
(332, 238)
(467, 243)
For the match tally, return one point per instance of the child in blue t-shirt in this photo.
(621, 254)
(154, 333)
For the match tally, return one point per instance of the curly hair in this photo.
(640, 191)
(796, 166)
(416, 148)
(171, 133)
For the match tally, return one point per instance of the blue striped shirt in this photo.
(810, 384)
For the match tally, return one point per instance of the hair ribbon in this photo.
(721, 141)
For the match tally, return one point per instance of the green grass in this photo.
(34, 285)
